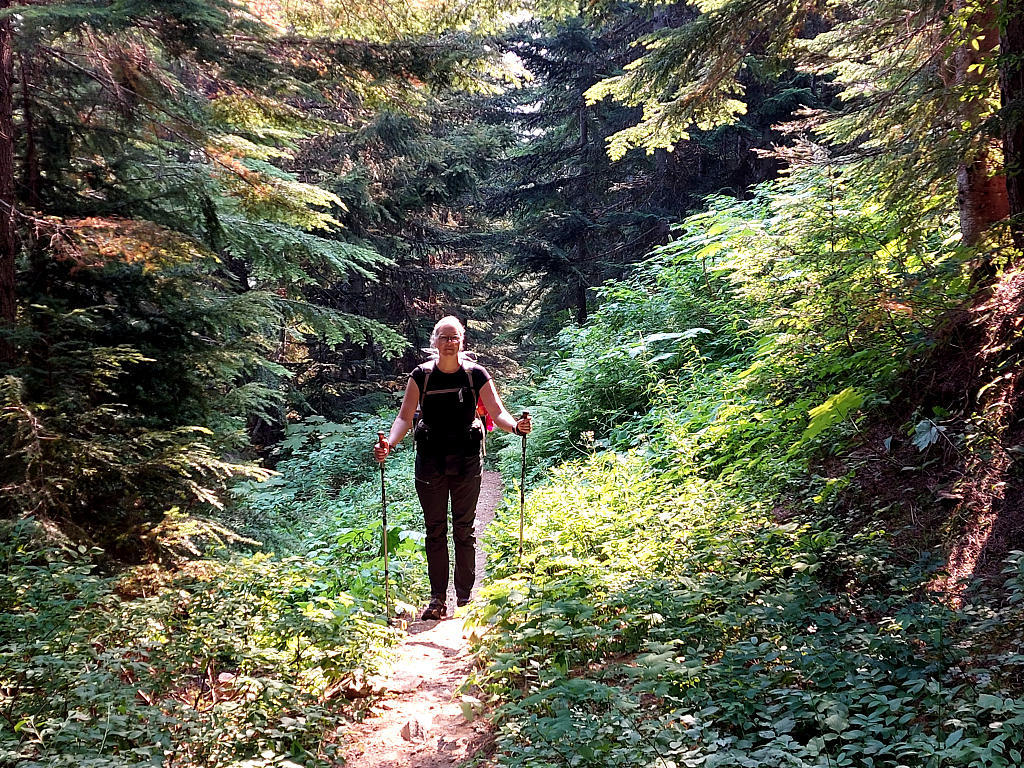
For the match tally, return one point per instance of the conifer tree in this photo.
(923, 110)
(581, 216)
(160, 244)
(407, 168)
(1011, 90)
(410, 179)
(577, 217)
(8, 246)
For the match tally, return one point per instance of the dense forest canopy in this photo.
(753, 266)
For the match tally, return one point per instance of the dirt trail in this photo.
(419, 722)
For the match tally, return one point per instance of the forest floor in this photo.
(418, 721)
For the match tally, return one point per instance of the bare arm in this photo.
(403, 421)
(505, 420)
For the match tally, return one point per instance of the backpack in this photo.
(428, 368)
(479, 411)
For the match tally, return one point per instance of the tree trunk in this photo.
(8, 241)
(31, 182)
(1011, 91)
(581, 302)
(30, 174)
(581, 237)
(981, 196)
(981, 191)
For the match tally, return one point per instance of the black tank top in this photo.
(447, 403)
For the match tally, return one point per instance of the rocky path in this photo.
(419, 722)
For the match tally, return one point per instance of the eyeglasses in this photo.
(449, 338)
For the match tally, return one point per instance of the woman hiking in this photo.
(445, 392)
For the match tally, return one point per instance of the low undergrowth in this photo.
(655, 629)
(325, 506)
(227, 663)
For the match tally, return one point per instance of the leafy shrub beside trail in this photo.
(325, 505)
(655, 628)
(226, 664)
(233, 660)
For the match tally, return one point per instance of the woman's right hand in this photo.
(381, 449)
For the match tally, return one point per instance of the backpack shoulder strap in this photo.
(427, 368)
(467, 368)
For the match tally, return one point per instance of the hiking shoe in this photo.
(435, 611)
(462, 601)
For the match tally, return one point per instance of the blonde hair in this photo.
(449, 320)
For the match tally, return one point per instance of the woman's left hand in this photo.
(524, 425)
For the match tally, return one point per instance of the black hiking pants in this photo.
(437, 480)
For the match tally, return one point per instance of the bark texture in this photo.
(1011, 90)
(8, 241)
(981, 186)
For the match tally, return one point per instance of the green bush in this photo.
(324, 505)
(756, 313)
(662, 623)
(229, 663)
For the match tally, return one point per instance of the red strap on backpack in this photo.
(484, 416)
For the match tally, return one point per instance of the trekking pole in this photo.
(522, 489)
(384, 531)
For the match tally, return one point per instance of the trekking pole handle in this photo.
(381, 441)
